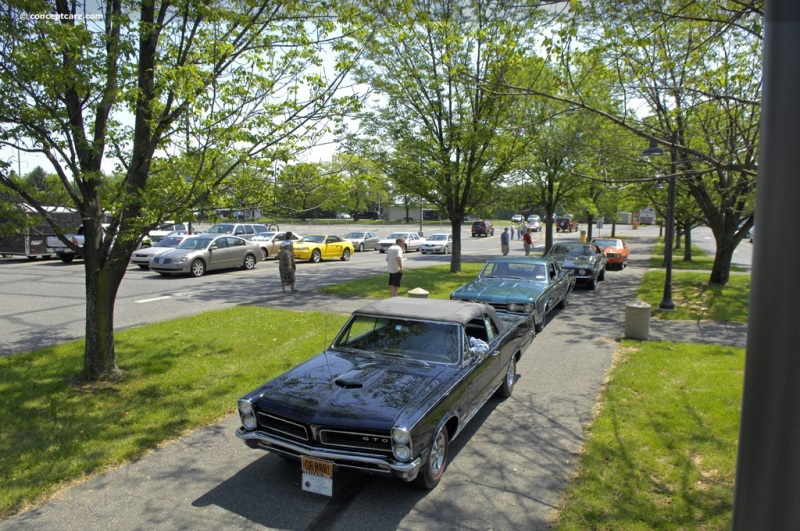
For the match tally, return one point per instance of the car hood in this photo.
(348, 390)
(499, 290)
(150, 251)
(174, 254)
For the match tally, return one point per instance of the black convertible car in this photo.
(399, 383)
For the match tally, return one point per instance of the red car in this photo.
(616, 251)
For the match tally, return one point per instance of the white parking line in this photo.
(155, 299)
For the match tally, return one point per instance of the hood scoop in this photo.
(348, 384)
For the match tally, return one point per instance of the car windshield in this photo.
(169, 241)
(354, 235)
(314, 239)
(607, 243)
(195, 243)
(438, 237)
(404, 338)
(573, 250)
(221, 228)
(395, 235)
(514, 270)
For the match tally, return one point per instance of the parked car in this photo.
(206, 252)
(363, 240)
(317, 247)
(534, 223)
(438, 243)
(516, 218)
(566, 224)
(141, 257)
(242, 230)
(398, 384)
(521, 284)
(270, 242)
(586, 260)
(413, 241)
(616, 251)
(163, 230)
(482, 228)
(343, 215)
(367, 214)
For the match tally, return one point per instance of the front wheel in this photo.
(346, 255)
(540, 326)
(360, 247)
(316, 256)
(434, 468)
(591, 283)
(249, 262)
(507, 387)
(602, 275)
(446, 249)
(198, 268)
(564, 301)
(264, 253)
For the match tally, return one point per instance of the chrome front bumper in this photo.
(369, 463)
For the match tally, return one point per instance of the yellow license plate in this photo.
(317, 467)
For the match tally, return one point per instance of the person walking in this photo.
(394, 265)
(287, 266)
(504, 241)
(527, 242)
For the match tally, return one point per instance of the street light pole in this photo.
(666, 301)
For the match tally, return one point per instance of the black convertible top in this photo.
(429, 310)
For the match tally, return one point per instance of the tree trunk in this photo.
(721, 270)
(687, 248)
(103, 279)
(455, 258)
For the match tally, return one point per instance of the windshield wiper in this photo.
(404, 357)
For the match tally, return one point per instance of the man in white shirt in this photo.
(394, 264)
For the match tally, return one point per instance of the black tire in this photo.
(67, 258)
(509, 380)
(473, 234)
(541, 324)
(143, 266)
(361, 247)
(565, 301)
(249, 261)
(316, 256)
(264, 253)
(591, 284)
(434, 467)
(198, 268)
(602, 275)
(345, 255)
(446, 249)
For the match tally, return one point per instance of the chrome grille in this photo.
(282, 426)
(373, 442)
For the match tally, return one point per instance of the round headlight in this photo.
(401, 436)
(245, 407)
(513, 307)
(529, 308)
(249, 422)
(402, 452)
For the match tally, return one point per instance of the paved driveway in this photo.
(506, 471)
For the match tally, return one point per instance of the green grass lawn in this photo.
(694, 299)
(661, 451)
(700, 260)
(435, 279)
(179, 375)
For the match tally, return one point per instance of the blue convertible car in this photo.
(523, 284)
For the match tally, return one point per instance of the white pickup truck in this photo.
(164, 229)
(60, 249)
(65, 253)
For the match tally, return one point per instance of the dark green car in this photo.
(523, 284)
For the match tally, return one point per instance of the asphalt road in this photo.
(507, 469)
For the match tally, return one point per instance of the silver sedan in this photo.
(205, 252)
(362, 240)
(141, 257)
(270, 242)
